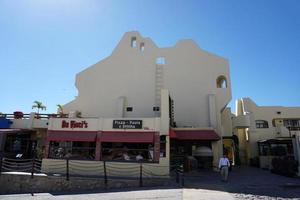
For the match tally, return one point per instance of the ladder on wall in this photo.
(158, 86)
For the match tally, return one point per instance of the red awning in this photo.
(85, 136)
(126, 136)
(194, 134)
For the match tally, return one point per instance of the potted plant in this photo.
(39, 105)
(60, 110)
(2, 115)
(18, 115)
(78, 114)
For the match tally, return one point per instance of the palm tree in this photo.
(39, 105)
(60, 109)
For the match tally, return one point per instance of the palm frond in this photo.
(38, 105)
(34, 106)
(60, 107)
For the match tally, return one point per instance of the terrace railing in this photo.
(20, 115)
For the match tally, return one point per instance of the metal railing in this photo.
(294, 128)
(37, 116)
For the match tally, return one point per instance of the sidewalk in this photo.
(158, 194)
(202, 194)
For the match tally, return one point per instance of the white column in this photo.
(214, 118)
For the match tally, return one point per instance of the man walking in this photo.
(223, 166)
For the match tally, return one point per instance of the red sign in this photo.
(74, 124)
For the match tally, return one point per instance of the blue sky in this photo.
(43, 44)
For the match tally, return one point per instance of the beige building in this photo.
(160, 106)
(178, 95)
(271, 127)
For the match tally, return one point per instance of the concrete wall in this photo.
(226, 121)
(189, 73)
(103, 124)
(12, 183)
(267, 113)
(30, 123)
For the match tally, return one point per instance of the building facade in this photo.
(165, 90)
(273, 131)
(160, 106)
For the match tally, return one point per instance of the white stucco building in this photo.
(178, 93)
(163, 105)
(270, 127)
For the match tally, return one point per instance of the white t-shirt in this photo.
(224, 162)
(126, 157)
(139, 157)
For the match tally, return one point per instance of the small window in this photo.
(160, 61)
(278, 112)
(133, 42)
(142, 46)
(221, 82)
(156, 108)
(129, 109)
(261, 124)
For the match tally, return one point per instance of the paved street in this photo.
(244, 183)
(166, 194)
(248, 183)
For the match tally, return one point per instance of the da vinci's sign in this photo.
(74, 124)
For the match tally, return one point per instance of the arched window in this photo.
(221, 82)
(142, 46)
(261, 124)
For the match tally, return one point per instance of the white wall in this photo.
(105, 124)
(189, 74)
(267, 113)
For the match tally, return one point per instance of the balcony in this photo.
(241, 121)
(20, 120)
(283, 131)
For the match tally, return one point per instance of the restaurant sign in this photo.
(74, 124)
(128, 124)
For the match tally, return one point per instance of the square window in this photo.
(133, 42)
(155, 108)
(129, 109)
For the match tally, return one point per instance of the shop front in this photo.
(110, 140)
(17, 143)
(192, 148)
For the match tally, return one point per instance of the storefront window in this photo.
(275, 148)
(20, 145)
(128, 152)
(72, 150)
(278, 149)
(264, 149)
